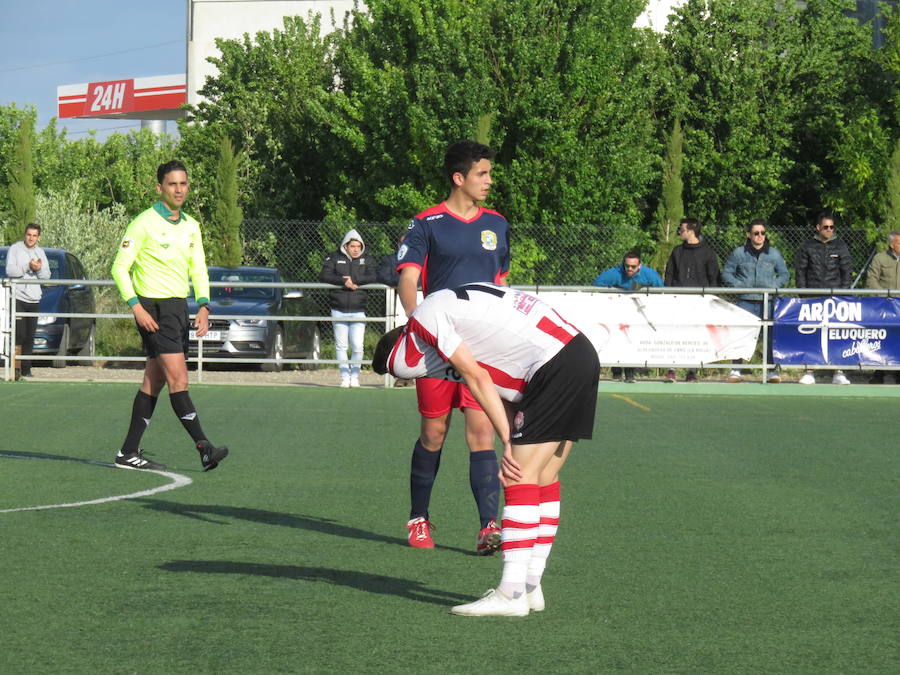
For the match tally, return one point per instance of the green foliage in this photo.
(90, 233)
(892, 196)
(223, 231)
(671, 206)
(21, 182)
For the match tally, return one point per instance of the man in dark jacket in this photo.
(348, 269)
(692, 264)
(823, 262)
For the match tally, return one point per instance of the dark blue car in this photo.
(57, 335)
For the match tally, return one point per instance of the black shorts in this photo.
(172, 316)
(561, 399)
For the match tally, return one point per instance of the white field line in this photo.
(177, 481)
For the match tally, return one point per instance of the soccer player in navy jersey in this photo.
(535, 375)
(451, 244)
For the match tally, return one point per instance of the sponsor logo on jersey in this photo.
(488, 240)
(519, 421)
(401, 252)
(436, 216)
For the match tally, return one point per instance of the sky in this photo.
(47, 43)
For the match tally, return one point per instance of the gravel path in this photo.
(242, 375)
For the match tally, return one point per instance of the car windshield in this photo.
(235, 289)
(54, 259)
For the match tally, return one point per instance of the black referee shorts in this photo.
(172, 316)
(561, 399)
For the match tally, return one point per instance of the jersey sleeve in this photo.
(198, 270)
(414, 249)
(130, 246)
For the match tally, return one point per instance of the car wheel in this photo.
(63, 349)
(315, 351)
(276, 351)
(89, 348)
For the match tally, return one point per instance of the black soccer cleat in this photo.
(210, 455)
(136, 460)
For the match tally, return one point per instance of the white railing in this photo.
(393, 312)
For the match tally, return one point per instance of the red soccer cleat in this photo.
(488, 539)
(420, 533)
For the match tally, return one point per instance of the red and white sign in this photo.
(158, 97)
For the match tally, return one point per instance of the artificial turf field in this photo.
(700, 532)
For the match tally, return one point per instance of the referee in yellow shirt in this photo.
(160, 255)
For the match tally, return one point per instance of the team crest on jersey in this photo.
(126, 243)
(401, 253)
(488, 240)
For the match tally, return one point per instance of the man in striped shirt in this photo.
(508, 346)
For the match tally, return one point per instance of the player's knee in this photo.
(432, 436)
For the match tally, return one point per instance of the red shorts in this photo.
(438, 397)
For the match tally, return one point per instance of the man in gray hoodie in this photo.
(26, 260)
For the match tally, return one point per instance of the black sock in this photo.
(141, 412)
(424, 470)
(184, 408)
(485, 483)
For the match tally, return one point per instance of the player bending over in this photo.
(508, 346)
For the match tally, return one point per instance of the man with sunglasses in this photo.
(823, 262)
(755, 264)
(629, 276)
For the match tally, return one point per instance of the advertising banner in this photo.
(838, 331)
(655, 330)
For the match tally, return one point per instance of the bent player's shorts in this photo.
(172, 316)
(561, 399)
(438, 397)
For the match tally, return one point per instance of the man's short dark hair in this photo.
(383, 349)
(33, 226)
(167, 168)
(825, 215)
(631, 254)
(755, 222)
(690, 224)
(460, 157)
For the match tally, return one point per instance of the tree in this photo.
(21, 182)
(225, 233)
(671, 206)
(892, 196)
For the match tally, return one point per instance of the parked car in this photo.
(260, 334)
(58, 335)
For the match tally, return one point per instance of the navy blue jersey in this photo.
(452, 252)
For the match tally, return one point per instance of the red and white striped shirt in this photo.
(511, 334)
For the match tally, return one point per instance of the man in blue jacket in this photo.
(756, 264)
(629, 276)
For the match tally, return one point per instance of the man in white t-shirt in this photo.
(535, 375)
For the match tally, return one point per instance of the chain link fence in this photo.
(545, 255)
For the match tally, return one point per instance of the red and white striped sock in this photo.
(549, 515)
(518, 534)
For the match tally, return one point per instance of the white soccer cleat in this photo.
(535, 599)
(494, 603)
(839, 378)
(735, 376)
(774, 377)
(808, 379)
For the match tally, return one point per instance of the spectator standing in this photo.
(823, 262)
(692, 264)
(884, 273)
(451, 244)
(161, 256)
(631, 275)
(348, 269)
(756, 264)
(26, 260)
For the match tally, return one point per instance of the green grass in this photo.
(707, 534)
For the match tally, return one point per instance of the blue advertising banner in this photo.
(838, 331)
